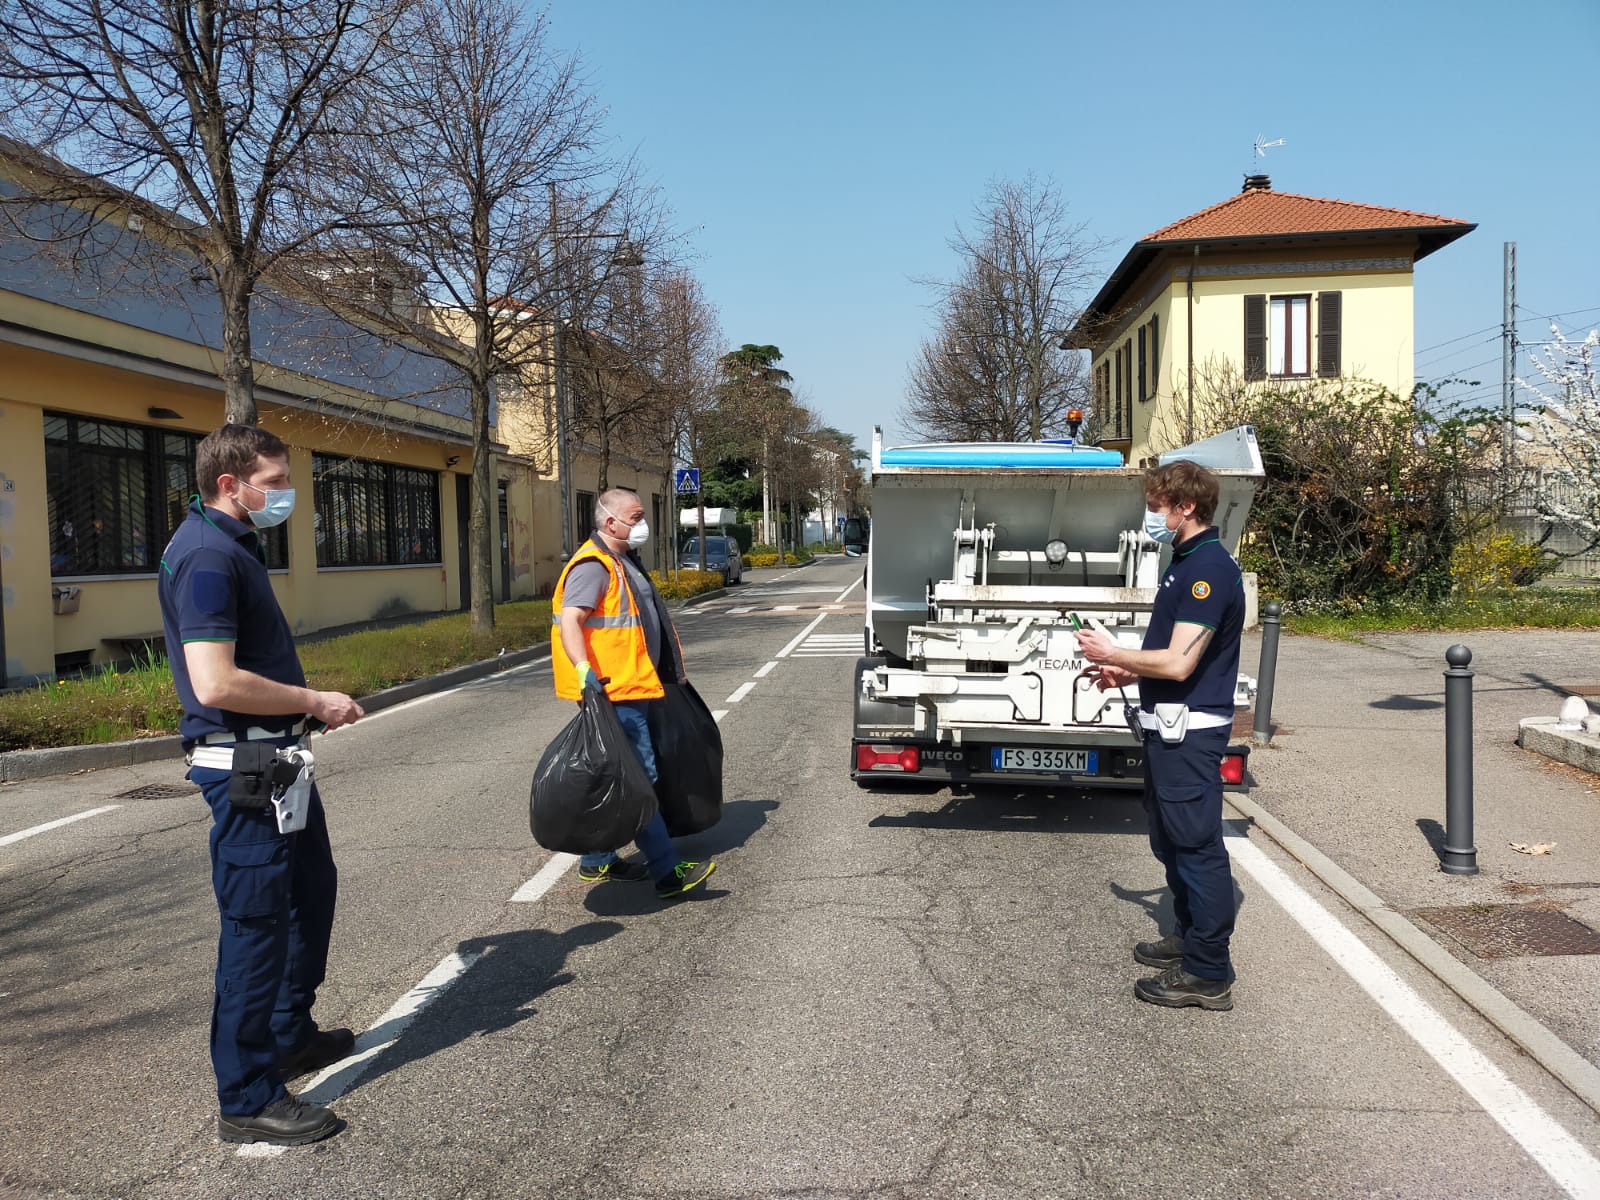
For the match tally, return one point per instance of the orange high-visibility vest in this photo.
(614, 634)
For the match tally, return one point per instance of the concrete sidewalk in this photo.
(1356, 768)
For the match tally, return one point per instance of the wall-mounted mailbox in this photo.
(65, 598)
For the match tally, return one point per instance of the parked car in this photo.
(722, 554)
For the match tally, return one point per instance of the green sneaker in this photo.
(615, 869)
(684, 876)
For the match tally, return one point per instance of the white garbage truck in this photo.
(984, 560)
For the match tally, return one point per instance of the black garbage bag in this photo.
(688, 760)
(590, 791)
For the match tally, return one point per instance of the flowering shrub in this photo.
(1499, 561)
(685, 583)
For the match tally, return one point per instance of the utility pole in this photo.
(1508, 361)
(563, 457)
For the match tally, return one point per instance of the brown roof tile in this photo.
(1265, 213)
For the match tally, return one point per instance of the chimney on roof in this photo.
(1257, 183)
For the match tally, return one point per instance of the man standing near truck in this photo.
(1186, 671)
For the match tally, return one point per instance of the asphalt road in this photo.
(879, 995)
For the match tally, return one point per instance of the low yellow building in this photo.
(108, 379)
(1266, 286)
(634, 458)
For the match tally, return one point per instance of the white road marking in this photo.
(850, 589)
(800, 637)
(785, 608)
(544, 879)
(717, 714)
(49, 825)
(743, 608)
(431, 696)
(826, 654)
(762, 673)
(1563, 1158)
(740, 692)
(333, 1081)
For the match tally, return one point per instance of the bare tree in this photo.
(996, 369)
(488, 154)
(211, 121)
(689, 376)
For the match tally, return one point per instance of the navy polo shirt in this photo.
(1202, 586)
(214, 588)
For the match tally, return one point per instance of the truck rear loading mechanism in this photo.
(983, 557)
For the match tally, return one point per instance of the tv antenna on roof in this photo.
(1262, 145)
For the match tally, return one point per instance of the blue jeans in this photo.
(659, 856)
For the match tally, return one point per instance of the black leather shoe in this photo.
(1176, 988)
(325, 1046)
(285, 1122)
(1162, 955)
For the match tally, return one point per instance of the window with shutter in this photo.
(1155, 354)
(1116, 391)
(1255, 337)
(1329, 320)
(1143, 392)
(1127, 395)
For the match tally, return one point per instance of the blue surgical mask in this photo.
(280, 503)
(1155, 528)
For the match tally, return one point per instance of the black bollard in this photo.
(1268, 673)
(1459, 856)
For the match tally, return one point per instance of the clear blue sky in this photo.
(821, 153)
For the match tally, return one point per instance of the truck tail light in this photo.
(888, 758)
(1233, 768)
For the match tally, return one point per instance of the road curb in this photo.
(1578, 1074)
(16, 766)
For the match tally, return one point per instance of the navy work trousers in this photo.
(275, 894)
(1183, 803)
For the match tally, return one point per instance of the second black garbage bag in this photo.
(688, 760)
(590, 791)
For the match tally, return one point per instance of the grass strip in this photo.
(1524, 608)
(120, 703)
(116, 704)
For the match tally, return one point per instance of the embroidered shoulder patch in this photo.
(1201, 589)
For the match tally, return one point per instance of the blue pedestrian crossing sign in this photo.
(688, 480)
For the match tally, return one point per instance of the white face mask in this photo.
(638, 533)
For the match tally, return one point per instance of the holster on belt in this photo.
(258, 772)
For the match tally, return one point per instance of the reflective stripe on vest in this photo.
(613, 633)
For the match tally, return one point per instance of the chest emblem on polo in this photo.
(1201, 589)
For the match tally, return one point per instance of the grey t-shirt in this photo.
(587, 583)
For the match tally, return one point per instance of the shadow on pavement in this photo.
(515, 968)
(1434, 832)
(622, 899)
(740, 820)
(1400, 703)
(1000, 809)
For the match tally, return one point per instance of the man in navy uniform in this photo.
(243, 694)
(1186, 671)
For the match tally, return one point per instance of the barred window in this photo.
(117, 492)
(371, 514)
